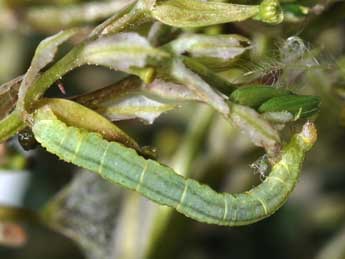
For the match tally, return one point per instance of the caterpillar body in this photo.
(121, 165)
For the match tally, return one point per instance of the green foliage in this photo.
(168, 54)
(254, 96)
(299, 106)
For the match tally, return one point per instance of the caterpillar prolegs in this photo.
(121, 165)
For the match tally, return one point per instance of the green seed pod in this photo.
(254, 96)
(300, 106)
(196, 13)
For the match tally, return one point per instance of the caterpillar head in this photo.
(308, 135)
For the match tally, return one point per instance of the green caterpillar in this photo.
(121, 165)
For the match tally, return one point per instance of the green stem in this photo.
(132, 16)
(10, 125)
(209, 76)
(62, 67)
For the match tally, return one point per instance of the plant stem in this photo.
(131, 16)
(62, 67)
(10, 125)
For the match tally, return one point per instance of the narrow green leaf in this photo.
(124, 100)
(171, 91)
(209, 76)
(197, 85)
(122, 51)
(300, 106)
(218, 46)
(52, 18)
(134, 106)
(9, 95)
(255, 95)
(77, 115)
(216, 52)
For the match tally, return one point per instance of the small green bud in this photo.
(270, 11)
(254, 96)
(301, 106)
